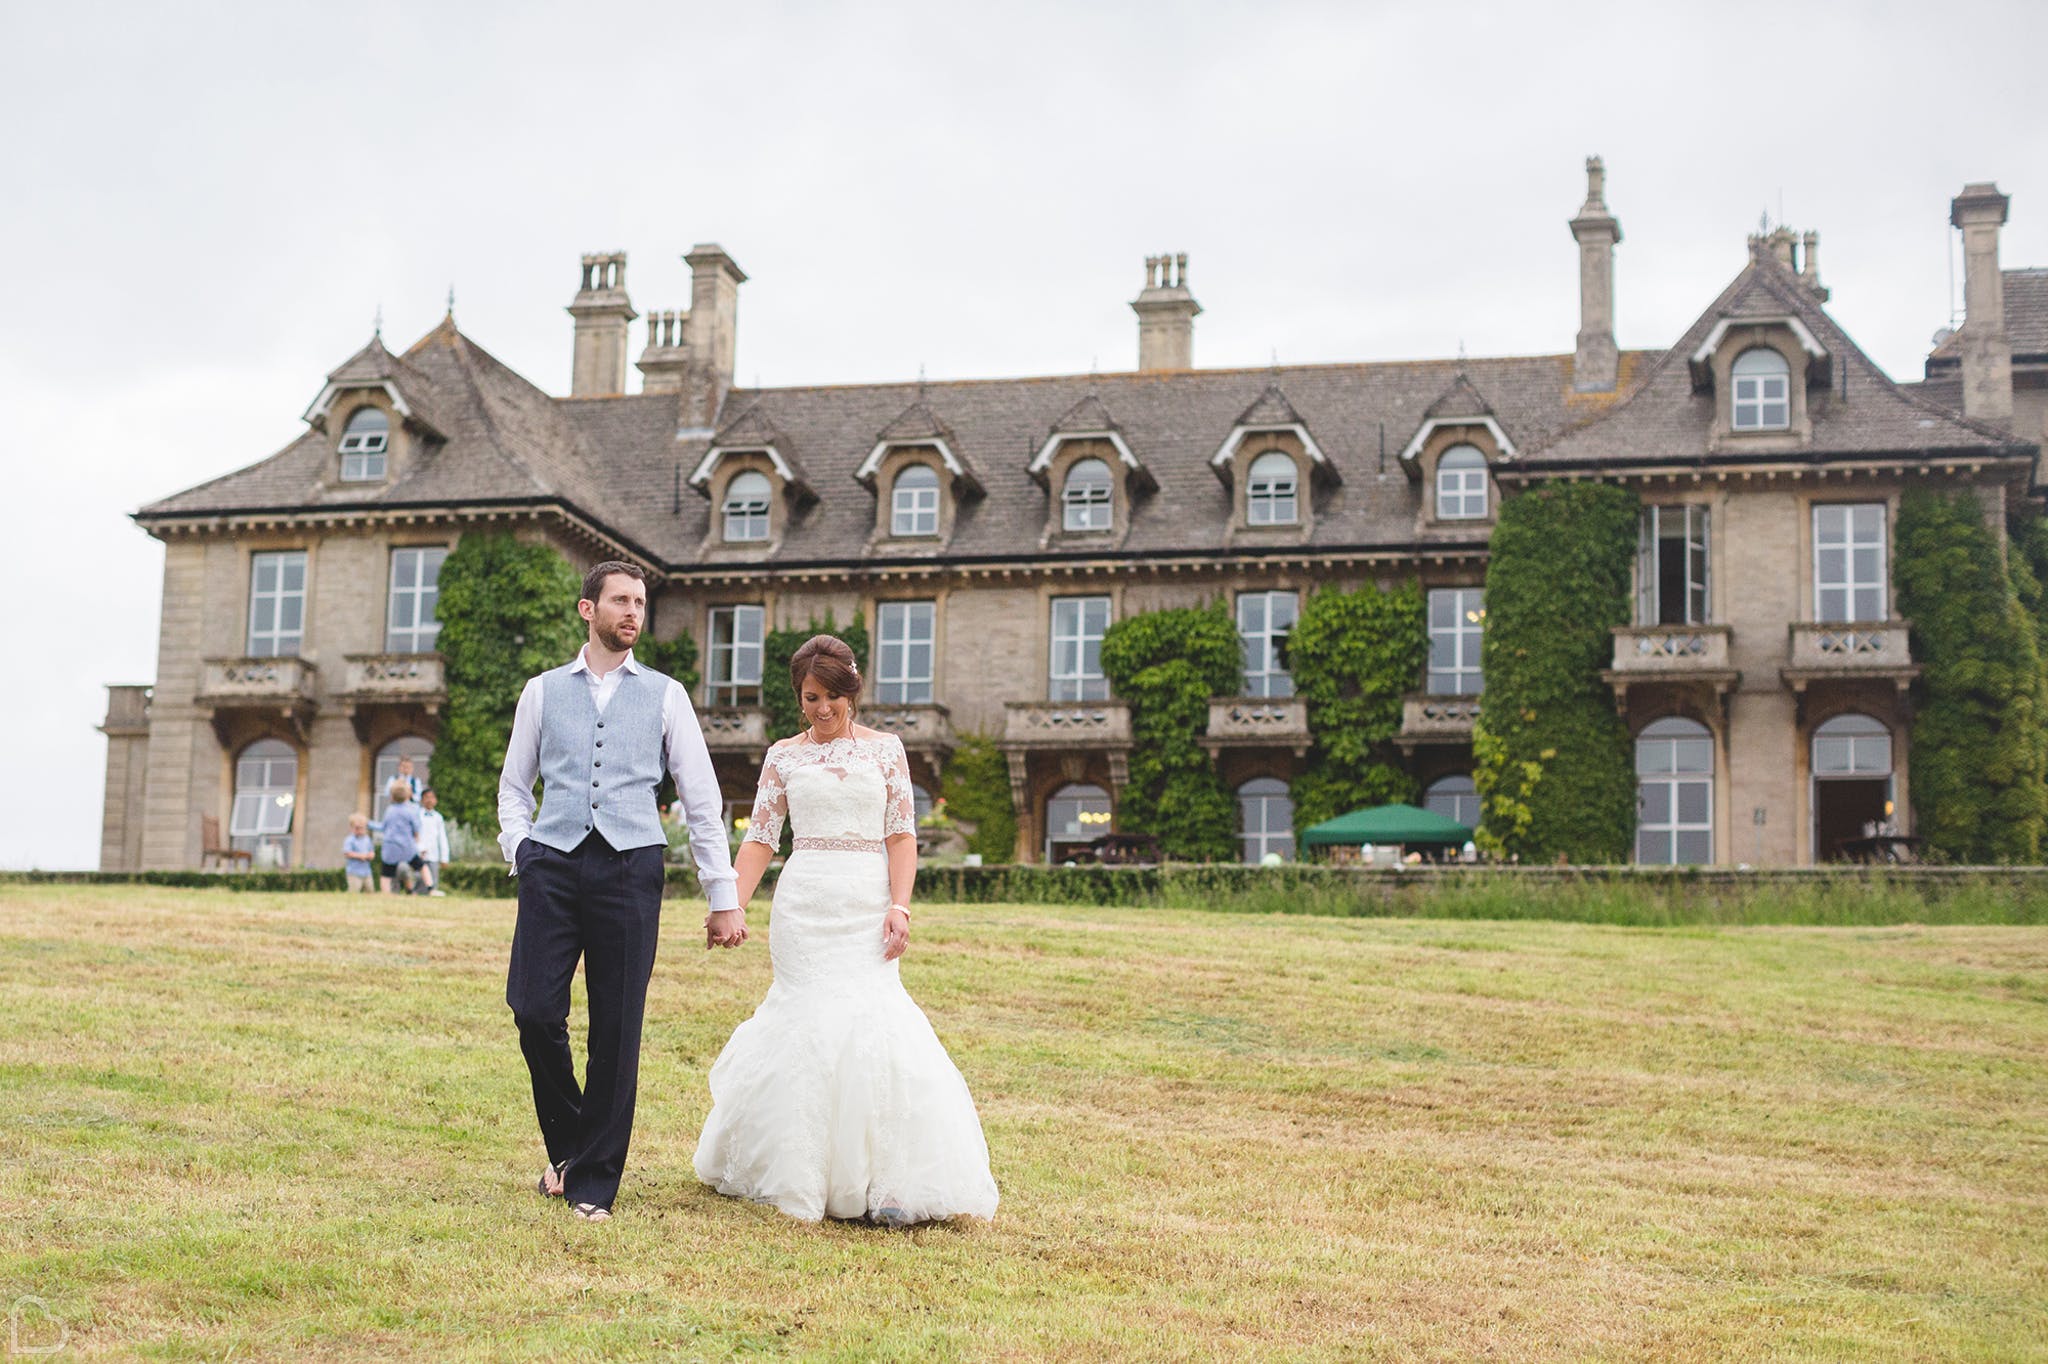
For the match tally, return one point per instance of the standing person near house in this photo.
(590, 876)
(433, 839)
(401, 829)
(409, 777)
(357, 852)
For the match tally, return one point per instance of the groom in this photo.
(599, 732)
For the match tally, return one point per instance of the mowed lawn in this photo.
(297, 1128)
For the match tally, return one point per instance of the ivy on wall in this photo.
(1551, 759)
(508, 612)
(785, 712)
(676, 658)
(1353, 656)
(1980, 734)
(1166, 665)
(976, 788)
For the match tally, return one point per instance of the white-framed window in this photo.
(1852, 745)
(1762, 400)
(410, 624)
(1075, 816)
(1849, 577)
(1671, 566)
(746, 506)
(905, 644)
(266, 790)
(1265, 820)
(1675, 793)
(1086, 499)
(277, 603)
(1454, 797)
(364, 444)
(734, 667)
(914, 501)
(1461, 484)
(1263, 620)
(1078, 624)
(385, 770)
(1457, 623)
(1271, 491)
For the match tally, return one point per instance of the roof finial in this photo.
(1461, 354)
(377, 324)
(451, 299)
(920, 381)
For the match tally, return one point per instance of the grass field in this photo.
(296, 1127)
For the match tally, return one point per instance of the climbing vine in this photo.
(1551, 758)
(1166, 665)
(785, 713)
(977, 791)
(1353, 656)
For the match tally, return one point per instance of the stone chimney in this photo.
(1596, 367)
(665, 363)
(602, 311)
(710, 332)
(1166, 315)
(1980, 210)
(1809, 266)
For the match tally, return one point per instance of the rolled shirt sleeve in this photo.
(522, 766)
(689, 762)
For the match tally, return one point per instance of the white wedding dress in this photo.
(836, 1099)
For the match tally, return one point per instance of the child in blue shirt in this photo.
(356, 852)
(401, 829)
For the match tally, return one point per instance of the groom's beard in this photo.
(612, 639)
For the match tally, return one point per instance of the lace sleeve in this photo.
(771, 806)
(899, 815)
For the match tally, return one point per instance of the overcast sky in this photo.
(206, 206)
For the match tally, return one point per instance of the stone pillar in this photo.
(1166, 315)
(1980, 210)
(711, 333)
(665, 363)
(1596, 367)
(602, 312)
(121, 818)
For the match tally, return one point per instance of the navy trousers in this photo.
(604, 906)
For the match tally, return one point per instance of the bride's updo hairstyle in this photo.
(828, 659)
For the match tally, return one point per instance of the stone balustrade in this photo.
(1258, 722)
(417, 679)
(1437, 719)
(1670, 650)
(1067, 724)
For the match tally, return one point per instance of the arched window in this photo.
(1456, 797)
(1763, 390)
(1265, 820)
(1269, 491)
(915, 505)
(1086, 497)
(421, 751)
(1852, 783)
(266, 789)
(363, 446)
(1461, 484)
(1075, 817)
(1675, 792)
(746, 506)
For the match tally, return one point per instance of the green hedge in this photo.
(1551, 758)
(1980, 737)
(1166, 665)
(1353, 656)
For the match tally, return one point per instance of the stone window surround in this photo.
(1257, 443)
(1479, 434)
(1826, 707)
(893, 463)
(1716, 503)
(872, 610)
(257, 730)
(1809, 603)
(1768, 335)
(730, 466)
(1072, 451)
(397, 448)
(278, 544)
(1685, 707)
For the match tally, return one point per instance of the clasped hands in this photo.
(725, 928)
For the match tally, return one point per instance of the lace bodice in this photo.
(855, 787)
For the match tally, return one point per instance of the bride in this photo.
(836, 1099)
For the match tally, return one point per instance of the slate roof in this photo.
(1859, 413)
(2026, 321)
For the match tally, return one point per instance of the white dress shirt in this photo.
(683, 754)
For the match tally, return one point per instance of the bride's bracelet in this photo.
(904, 908)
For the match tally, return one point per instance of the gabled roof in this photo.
(1089, 419)
(917, 424)
(374, 367)
(1460, 404)
(753, 430)
(1856, 411)
(1270, 412)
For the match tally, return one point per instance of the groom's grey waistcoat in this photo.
(600, 771)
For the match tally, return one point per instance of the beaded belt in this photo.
(806, 844)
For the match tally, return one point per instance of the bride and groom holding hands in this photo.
(835, 1099)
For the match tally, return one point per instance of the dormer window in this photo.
(1271, 491)
(363, 446)
(914, 501)
(1087, 496)
(1762, 384)
(746, 506)
(1461, 484)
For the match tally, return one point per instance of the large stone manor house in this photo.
(989, 532)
